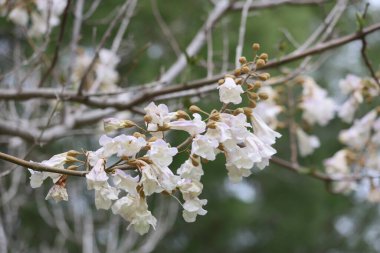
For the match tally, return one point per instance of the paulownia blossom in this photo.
(128, 167)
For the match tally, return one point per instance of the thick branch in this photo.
(39, 167)
(122, 104)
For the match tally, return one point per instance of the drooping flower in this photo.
(229, 92)
(236, 174)
(97, 177)
(306, 143)
(190, 171)
(263, 131)
(192, 208)
(316, 106)
(134, 209)
(57, 193)
(358, 135)
(110, 145)
(125, 181)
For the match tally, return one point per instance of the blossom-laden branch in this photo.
(143, 158)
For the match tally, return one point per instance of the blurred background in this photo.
(274, 210)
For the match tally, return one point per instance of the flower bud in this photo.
(72, 167)
(264, 56)
(238, 111)
(260, 63)
(253, 95)
(257, 85)
(247, 111)
(245, 69)
(194, 109)
(138, 135)
(256, 46)
(263, 96)
(264, 76)
(153, 139)
(148, 118)
(73, 153)
(194, 162)
(242, 60)
(237, 72)
(215, 116)
(211, 125)
(182, 115)
(252, 104)
(220, 81)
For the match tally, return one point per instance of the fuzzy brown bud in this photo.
(247, 111)
(211, 125)
(264, 76)
(182, 115)
(245, 69)
(264, 56)
(263, 96)
(252, 104)
(237, 72)
(73, 153)
(260, 63)
(148, 118)
(220, 81)
(257, 85)
(194, 109)
(243, 60)
(138, 135)
(256, 46)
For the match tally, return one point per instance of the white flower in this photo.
(94, 156)
(189, 171)
(259, 149)
(316, 106)
(97, 177)
(104, 196)
(204, 147)
(347, 110)
(193, 127)
(19, 16)
(57, 161)
(112, 124)
(149, 181)
(220, 133)
(236, 127)
(125, 181)
(159, 114)
(36, 178)
(128, 145)
(142, 222)
(58, 193)
(160, 153)
(357, 135)
(229, 92)
(134, 209)
(306, 143)
(38, 27)
(110, 145)
(262, 130)
(350, 84)
(190, 188)
(192, 208)
(157, 179)
(235, 174)
(337, 164)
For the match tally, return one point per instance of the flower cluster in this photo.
(37, 17)
(129, 168)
